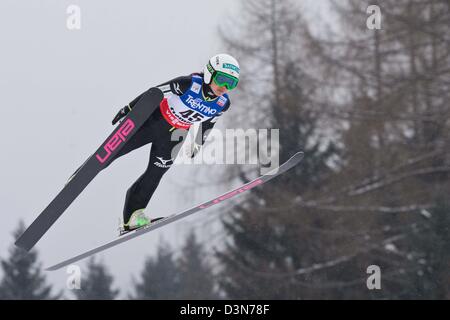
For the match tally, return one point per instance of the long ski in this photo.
(293, 161)
(93, 165)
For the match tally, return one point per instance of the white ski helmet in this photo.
(224, 68)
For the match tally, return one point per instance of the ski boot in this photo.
(137, 220)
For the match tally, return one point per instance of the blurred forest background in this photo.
(370, 109)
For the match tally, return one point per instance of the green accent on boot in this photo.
(141, 220)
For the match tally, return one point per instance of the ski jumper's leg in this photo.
(139, 139)
(162, 154)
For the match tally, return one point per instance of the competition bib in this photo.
(182, 111)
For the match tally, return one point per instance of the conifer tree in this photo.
(196, 276)
(159, 278)
(23, 277)
(97, 284)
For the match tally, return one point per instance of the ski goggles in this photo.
(225, 80)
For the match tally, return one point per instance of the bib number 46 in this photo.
(192, 116)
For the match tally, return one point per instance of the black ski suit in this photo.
(158, 131)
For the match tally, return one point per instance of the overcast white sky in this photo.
(59, 90)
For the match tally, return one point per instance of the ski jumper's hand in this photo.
(122, 113)
(193, 150)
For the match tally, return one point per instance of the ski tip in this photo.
(57, 266)
(156, 91)
(22, 245)
(299, 154)
(297, 157)
(51, 269)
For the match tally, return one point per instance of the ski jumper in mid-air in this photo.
(200, 97)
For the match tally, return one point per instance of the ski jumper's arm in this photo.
(177, 86)
(205, 127)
